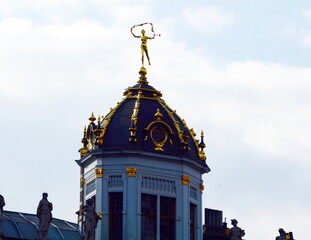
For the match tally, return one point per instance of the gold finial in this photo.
(84, 140)
(158, 115)
(202, 146)
(83, 151)
(144, 38)
(92, 118)
(142, 75)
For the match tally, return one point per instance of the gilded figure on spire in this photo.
(144, 38)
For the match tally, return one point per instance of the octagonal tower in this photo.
(143, 167)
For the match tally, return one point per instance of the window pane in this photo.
(148, 217)
(167, 218)
(192, 221)
(115, 216)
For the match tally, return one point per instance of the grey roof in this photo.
(17, 225)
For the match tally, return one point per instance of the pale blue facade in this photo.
(156, 174)
(142, 147)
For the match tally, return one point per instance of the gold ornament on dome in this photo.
(144, 37)
(202, 146)
(159, 137)
(159, 132)
(83, 151)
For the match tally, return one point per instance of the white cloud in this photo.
(208, 19)
(306, 13)
(11, 6)
(266, 103)
(301, 30)
(305, 37)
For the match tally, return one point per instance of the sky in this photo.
(239, 70)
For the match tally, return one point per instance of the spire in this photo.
(92, 118)
(83, 151)
(202, 146)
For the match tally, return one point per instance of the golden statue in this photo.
(144, 38)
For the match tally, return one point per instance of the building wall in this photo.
(159, 175)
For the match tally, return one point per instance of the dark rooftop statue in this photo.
(44, 213)
(91, 219)
(284, 236)
(236, 232)
(2, 204)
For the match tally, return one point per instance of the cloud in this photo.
(302, 32)
(265, 104)
(305, 37)
(306, 13)
(208, 19)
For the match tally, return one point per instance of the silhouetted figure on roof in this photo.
(282, 235)
(44, 213)
(2, 204)
(91, 219)
(236, 232)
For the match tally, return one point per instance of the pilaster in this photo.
(131, 205)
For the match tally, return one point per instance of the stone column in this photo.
(131, 200)
(185, 217)
(101, 204)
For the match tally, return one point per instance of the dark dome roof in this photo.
(142, 121)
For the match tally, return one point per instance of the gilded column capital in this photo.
(82, 181)
(131, 172)
(185, 180)
(201, 187)
(99, 172)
